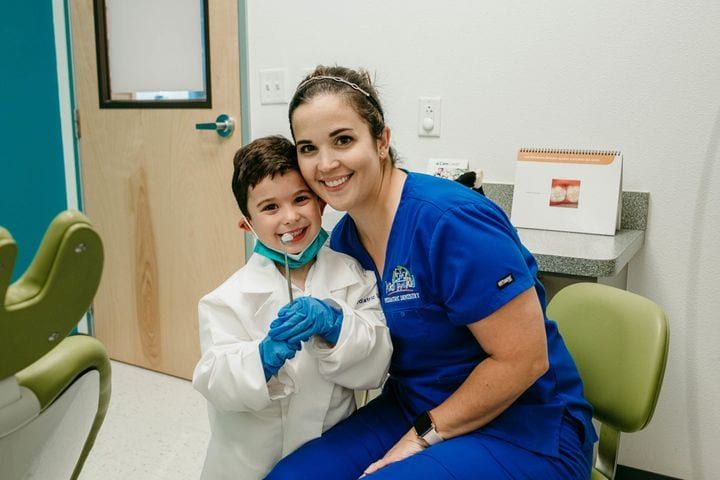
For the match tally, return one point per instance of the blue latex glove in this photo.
(274, 354)
(305, 317)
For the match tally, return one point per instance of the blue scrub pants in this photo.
(344, 451)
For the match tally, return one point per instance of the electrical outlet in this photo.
(429, 116)
(272, 86)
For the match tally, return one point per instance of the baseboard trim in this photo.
(628, 473)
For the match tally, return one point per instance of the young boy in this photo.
(278, 375)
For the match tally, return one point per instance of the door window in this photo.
(153, 53)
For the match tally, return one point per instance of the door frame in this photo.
(68, 133)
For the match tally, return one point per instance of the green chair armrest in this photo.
(57, 370)
(48, 377)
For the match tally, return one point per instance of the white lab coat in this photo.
(253, 423)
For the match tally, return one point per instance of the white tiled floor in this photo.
(156, 428)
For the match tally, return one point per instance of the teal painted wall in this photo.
(32, 176)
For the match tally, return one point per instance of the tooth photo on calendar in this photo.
(564, 193)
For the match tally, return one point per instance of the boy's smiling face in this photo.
(283, 204)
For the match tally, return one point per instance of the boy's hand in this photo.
(305, 317)
(274, 354)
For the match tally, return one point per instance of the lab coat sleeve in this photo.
(229, 373)
(361, 357)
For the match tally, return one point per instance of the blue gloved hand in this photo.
(305, 317)
(274, 354)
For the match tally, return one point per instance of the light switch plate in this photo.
(272, 86)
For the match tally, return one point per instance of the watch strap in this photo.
(425, 429)
(432, 437)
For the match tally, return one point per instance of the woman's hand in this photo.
(408, 445)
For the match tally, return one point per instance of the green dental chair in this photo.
(54, 389)
(619, 341)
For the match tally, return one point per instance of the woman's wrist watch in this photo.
(425, 429)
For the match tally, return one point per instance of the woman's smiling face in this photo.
(338, 156)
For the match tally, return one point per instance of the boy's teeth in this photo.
(335, 183)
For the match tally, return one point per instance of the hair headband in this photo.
(343, 81)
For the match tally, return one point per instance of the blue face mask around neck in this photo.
(295, 260)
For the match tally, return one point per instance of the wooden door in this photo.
(159, 193)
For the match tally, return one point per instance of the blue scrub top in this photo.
(454, 258)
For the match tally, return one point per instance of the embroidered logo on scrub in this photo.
(505, 281)
(401, 286)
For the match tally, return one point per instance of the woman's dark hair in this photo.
(261, 158)
(354, 86)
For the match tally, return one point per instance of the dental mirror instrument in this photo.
(285, 240)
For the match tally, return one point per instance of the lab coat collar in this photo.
(332, 270)
(265, 277)
(329, 270)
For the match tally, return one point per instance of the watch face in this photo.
(422, 424)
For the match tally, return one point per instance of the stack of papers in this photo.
(449, 168)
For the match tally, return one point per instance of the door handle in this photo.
(224, 125)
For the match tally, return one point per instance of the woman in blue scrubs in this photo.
(481, 385)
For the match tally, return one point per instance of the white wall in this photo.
(640, 76)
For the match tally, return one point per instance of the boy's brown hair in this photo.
(261, 158)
